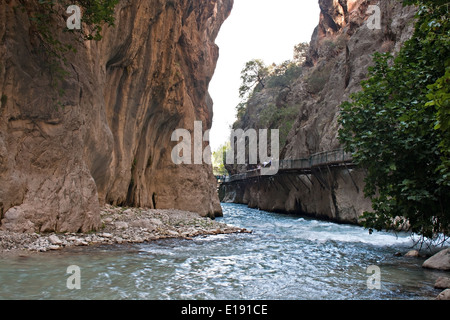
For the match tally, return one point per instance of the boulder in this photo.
(145, 224)
(442, 283)
(413, 254)
(54, 240)
(121, 225)
(440, 261)
(444, 295)
(15, 220)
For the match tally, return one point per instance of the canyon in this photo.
(339, 55)
(107, 138)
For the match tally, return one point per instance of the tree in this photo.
(393, 129)
(253, 76)
(440, 99)
(53, 48)
(218, 160)
(301, 52)
(284, 74)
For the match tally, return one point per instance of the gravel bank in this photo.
(120, 226)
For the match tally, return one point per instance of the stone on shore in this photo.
(146, 224)
(133, 225)
(444, 295)
(121, 225)
(442, 283)
(413, 254)
(440, 261)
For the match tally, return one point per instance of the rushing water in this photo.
(286, 258)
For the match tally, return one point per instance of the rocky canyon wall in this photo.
(333, 195)
(341, 50)
(107, 139)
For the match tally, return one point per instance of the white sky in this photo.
(256, 29)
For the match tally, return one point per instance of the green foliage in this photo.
(218, 160)
(277, 80)
(96, 13)
(440, 99)
(253, 77)
(319, 77)
(256, 75)
(301, 52)
(396, 128)
(242, 116)
(279, 117)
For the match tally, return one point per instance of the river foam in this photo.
(284, 258)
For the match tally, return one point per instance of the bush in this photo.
(394, 129)
(281, 118)
(284, 75)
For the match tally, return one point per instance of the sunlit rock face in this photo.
(107, 139)
(341, 50)
(342, 46)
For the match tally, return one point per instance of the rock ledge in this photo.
(120, 226)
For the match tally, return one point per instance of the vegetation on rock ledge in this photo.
(258, 78)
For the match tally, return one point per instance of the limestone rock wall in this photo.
(108, 138)
(333, 195)
(341, 51)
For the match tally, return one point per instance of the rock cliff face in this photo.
(340, 53)
(336, 196)
(110, 140)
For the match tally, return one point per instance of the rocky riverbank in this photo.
(119, 226)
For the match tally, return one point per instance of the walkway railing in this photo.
(330, 157)
(327, 158)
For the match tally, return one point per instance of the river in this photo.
(285, 258)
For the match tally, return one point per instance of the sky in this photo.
(256, 29)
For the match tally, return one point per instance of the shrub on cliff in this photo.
(279, 117)
(319, 76)
(277, 80)
(397, 129)
(254, 77)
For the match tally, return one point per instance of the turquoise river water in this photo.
(285, 258)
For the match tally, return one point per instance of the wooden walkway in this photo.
(302, 166)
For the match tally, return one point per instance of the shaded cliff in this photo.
(339, 55)
(110, 139)
(341, 52)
